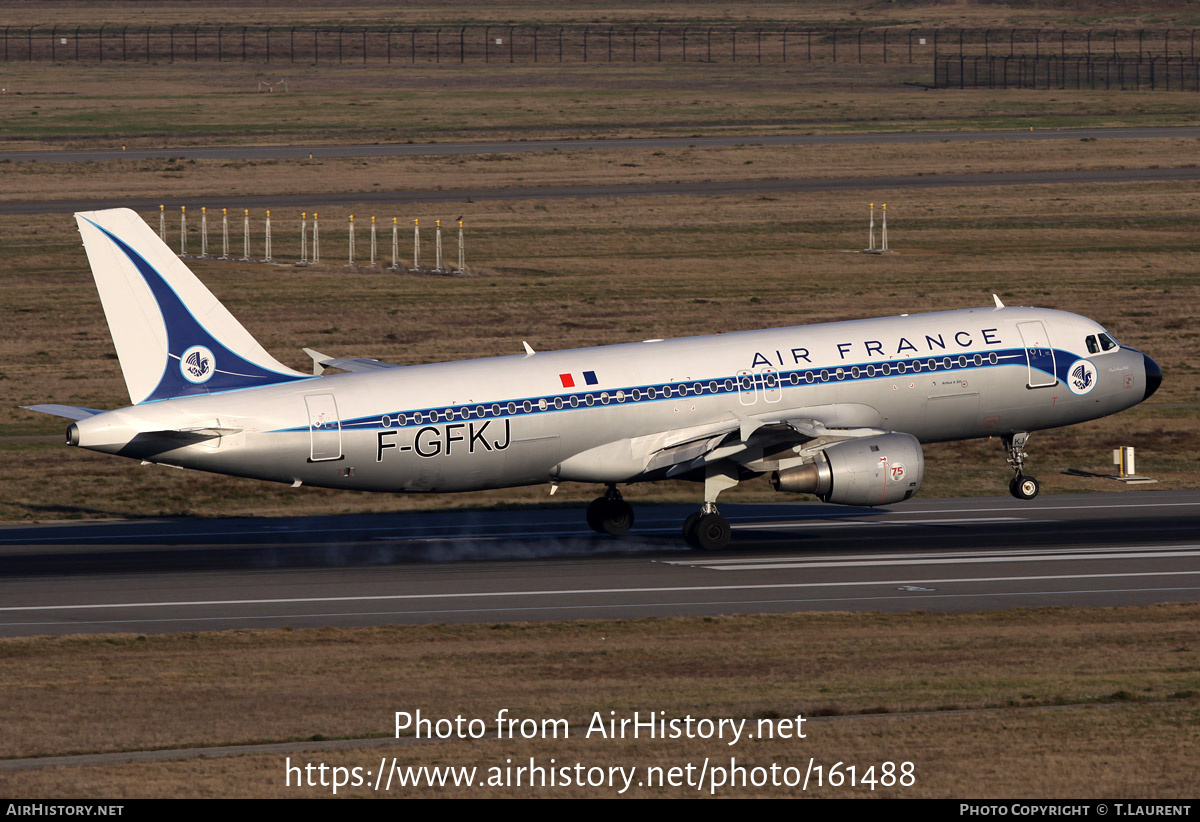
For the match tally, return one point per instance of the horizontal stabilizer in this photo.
(69, 411)
(322, 361)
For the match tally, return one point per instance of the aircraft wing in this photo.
(323, 361)
(755, 444)
(747, 442)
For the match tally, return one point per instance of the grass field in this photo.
(697, 12)
(1051, 703)
(173, 178)
(94, 106)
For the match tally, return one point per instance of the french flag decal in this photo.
(568, 380)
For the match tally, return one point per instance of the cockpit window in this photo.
(1093, 346)
(1107, 342)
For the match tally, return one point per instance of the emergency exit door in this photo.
(324, 427)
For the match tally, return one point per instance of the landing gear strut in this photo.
(610, 514)
(707, 529)
(1021, 486)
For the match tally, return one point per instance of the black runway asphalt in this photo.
(1135, 547)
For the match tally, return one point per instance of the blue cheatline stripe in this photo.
(712, 386)
(231, 371)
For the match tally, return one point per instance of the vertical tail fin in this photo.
(173, 337)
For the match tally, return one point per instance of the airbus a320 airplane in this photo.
(837, 410)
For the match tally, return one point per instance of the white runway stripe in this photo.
(776, 566)
(832, 523)
(585, 591)
(603, 607)
(1019, 552)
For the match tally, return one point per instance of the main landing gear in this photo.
(706, 529)
(1021, 486)
(610, 514)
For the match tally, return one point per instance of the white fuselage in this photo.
(594, 414)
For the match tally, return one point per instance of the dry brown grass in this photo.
(124, 692)
(1133, 751)
(163, 105)
(215, 179)
(694, 12)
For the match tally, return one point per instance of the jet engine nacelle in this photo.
(868, 471)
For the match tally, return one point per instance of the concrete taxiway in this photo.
(1136, 547)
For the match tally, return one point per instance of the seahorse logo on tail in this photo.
(197, 364)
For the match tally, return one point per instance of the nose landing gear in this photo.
(1021, 486)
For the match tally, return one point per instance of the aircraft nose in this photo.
(1153, 376)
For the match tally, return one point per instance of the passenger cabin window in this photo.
(1093, 347)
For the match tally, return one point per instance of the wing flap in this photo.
(685, 453)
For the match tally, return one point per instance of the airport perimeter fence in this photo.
(532, 44)
(1123, 73)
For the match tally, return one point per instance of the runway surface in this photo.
(284, 152)
(472, 195)
(1137, 547)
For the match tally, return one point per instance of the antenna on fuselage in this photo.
(998, 303)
